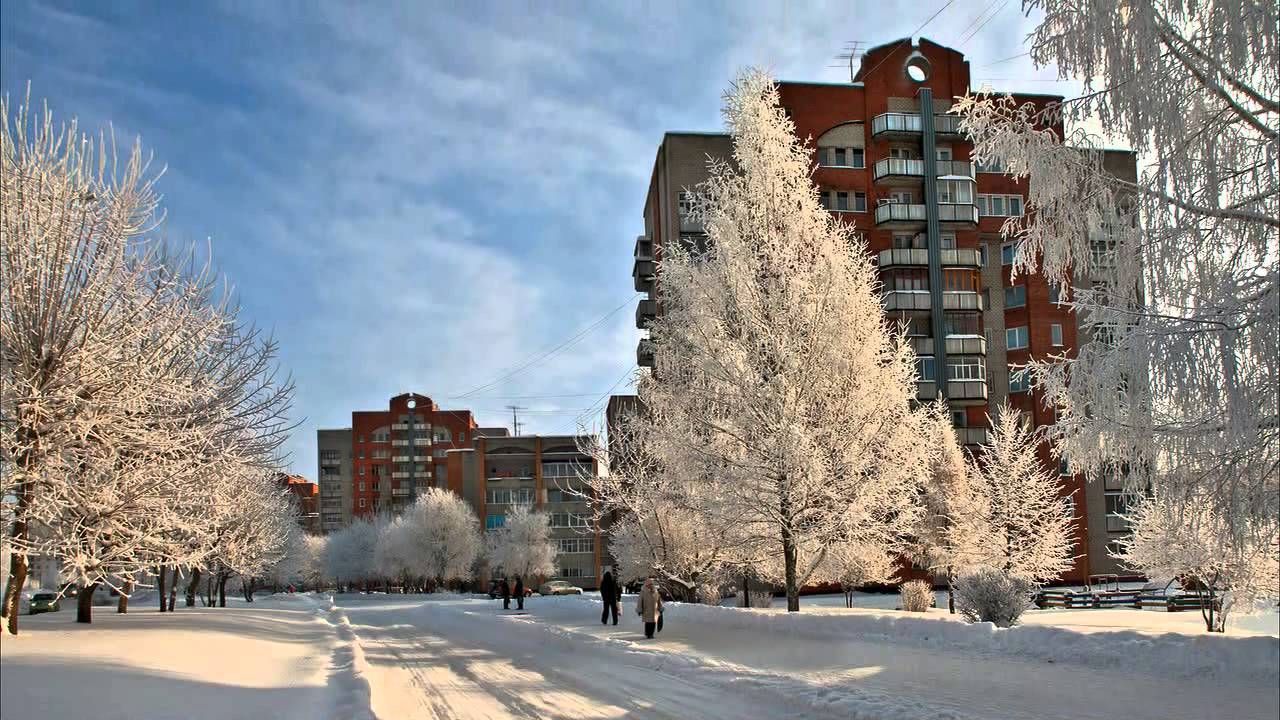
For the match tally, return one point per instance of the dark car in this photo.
(495, 590)
(44, 602)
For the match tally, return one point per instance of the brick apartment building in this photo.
(306, 495)
(890, 159)
(379, 463)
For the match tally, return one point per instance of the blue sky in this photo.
(419, 198)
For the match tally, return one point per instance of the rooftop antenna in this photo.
(852, 51)
(515, 419)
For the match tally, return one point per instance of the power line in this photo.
(539, 357)
(1003, 60)
(595, 405)
(984, 24)
(915, 33)
(977, 17)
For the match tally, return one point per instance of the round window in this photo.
(917, 67)
(412, 403)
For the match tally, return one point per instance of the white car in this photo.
(559, 587)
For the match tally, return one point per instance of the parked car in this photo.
(43, 602)
(495, 590)
(559, 587)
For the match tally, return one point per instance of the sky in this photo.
(423, 197)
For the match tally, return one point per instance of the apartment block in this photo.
(890, 159)
(381, 461)
(306, 498)
(499, 472)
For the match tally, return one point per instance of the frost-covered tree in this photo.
(781, 398)
(1176, 273)
(1176, 538)
(853, 566)
(523, 546)
(314, 573)
(1026, 523)
(349, 556)
(437, 540)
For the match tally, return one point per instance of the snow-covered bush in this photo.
(994, 596)
(917, 595)
(523, 546)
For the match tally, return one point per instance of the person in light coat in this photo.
(649, 606)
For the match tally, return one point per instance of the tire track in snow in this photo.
(347, 679)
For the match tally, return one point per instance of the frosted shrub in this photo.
(709, 594)
(991, 595)
(917, 595)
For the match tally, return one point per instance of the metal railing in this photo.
(899, 166)
(900, 212)
(958, 212)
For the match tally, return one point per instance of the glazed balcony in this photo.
(919, 257)
(901, 216)
(646, 310)
(644, 353)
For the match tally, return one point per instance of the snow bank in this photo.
(1179, 655)
(1252, 659)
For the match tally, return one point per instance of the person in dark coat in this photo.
(609, 595)
(519, 593)
(505, 589)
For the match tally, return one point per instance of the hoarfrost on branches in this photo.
(523, 546)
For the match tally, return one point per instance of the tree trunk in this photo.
(122, 607)
(951, 591)
(173, 588)
(17, 580)
(222, 591)
(193, 587)
(84, 603)
(160, 572)
(789, 550)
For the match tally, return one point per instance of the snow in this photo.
(460, 656)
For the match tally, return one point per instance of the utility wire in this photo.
(976, 18)
(913, 34)
(984, 24)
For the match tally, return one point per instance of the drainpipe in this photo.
(934, 235)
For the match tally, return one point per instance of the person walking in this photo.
(609, 596)
(519, 593)
(649, 606)
(505, 589)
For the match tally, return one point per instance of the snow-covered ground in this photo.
(452, 656)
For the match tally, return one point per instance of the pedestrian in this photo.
(505, 589)
(649, 606)
(609, 596)
(519, 593)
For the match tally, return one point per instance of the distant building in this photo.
(381, 461)
(498, 472)
(306, 496)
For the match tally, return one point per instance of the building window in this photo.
(904, 197)
(462, 437)
(999, 205)
(521, 496)
(572, 572)
(961, 324)
(577, 545)
(824, 199)
(1008, 252)
(966, 368)
(907, 280)
(1055, 335)
(918, 241)
(1015, 338)
(991, 166)
(982, 255)
(1019, 380)
(842, 200)
(841, 157)
(361, 470)
(959, 419)
(1015, 297)
(943, 152)
(859, 202)
(363, 502)
(331, 456)
(569, 520)
(493, 522)
(360, 438)
(1055, 294)
(924, 369)
(955, 191)
(947, 241)
(376, 470)
(960, 280)
(1064, 465)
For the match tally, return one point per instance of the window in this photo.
(842, 200)
(380, 453)
(569, 520)
(565, 469)
(443, 435)
(947, 241)
(684, 204)
(959, 419)
(982, 255)
(439, 453)
(577, 545)
(841, 157)
(462, 437)
(918, 324)
(572, 572)
(954, 280)
(902, 152)
(955, 191)
(362, 502)
(359, 438)
(1055, 335)
(1015, 338)
(558, 496)
(999, 205)
(1018, 380)
(961, 324)
(918, 241)
(1015, 297)
(924, 369)
(907, 280)
(1055, 294)
(521, 496)
(329, 471)
(1008, 252)
(824, 199)
(902, 196)
(360, 454)
(376, 470)
(1102, 249)
(966, 368)
(493, 522)
(331, 456)
(859, 202)
(944, 153)
(1064, 465)
(361, 486)
(361, 470)
(991, 166)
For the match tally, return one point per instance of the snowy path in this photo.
(460, 660)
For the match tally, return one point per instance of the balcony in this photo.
(966, 345)
(399, 475)
(907, 300)
(642, 274)
(400, 443)
(958, 213)
(909, 125)
(422, 441)
(646, 310)
(919, 257)
(643, 249)
(967, 392)
(926, 390)
(955, 168)
(644, 353)
(330, 462)
(902, 215)
(923, 346)
(401, 492)
(961, 300)
(400, 426)
(421, 458)
(400, 459)
(971, 435)
(891, 169)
